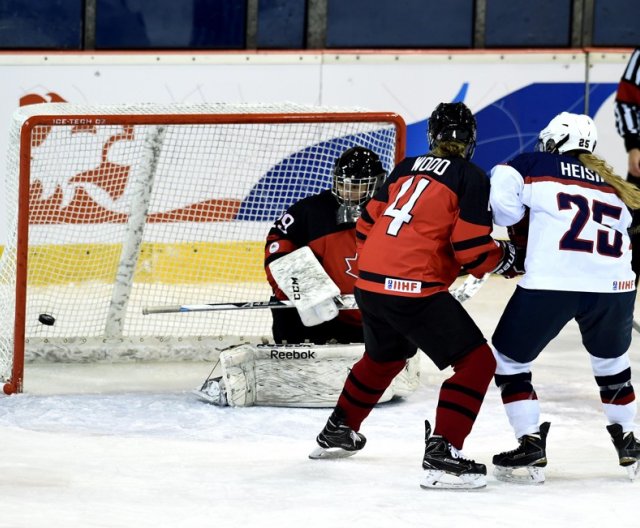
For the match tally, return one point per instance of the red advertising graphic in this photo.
(73, 202)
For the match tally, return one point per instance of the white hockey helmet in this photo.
(567, 132)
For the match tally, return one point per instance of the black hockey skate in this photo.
(530, 455)
(446, 468)
(337, 440)
(628, 449)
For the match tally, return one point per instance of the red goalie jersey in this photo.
(312, 222)
(430, 219)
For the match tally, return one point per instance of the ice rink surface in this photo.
(130, 446)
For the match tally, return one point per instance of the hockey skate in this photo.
(526, 463)
(213, 391)
(446, 468)
(337, 440)
(628, 449)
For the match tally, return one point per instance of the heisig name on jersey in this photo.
(574, 170)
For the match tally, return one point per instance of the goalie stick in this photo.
(344, 302)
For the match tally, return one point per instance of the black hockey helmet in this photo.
(453, 122)
(357, 175)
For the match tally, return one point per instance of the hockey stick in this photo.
(344, 302)
(636, 326)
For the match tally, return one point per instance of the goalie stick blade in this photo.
(321, 453)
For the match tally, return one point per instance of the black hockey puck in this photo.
(47, 319)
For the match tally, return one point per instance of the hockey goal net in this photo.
(110, 209)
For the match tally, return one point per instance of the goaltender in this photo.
(325, 223)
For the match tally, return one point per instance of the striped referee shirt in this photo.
(627, 104)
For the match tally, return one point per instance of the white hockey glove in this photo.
(305, 282)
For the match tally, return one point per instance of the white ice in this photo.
(129, 446)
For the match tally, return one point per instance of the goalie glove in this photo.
(512, 262)
(305, 282)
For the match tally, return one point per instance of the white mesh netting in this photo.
(131, 206)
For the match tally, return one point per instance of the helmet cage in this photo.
(354, 191)
(357, 175)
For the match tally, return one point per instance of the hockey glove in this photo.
(512, 263)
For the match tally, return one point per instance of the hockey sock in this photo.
(462, 394)
(364, 386)
(618, 398)
(520, 402)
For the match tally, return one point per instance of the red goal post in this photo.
(112, 208)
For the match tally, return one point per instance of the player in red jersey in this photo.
(429, 221)
(326, 223)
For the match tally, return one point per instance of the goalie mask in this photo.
(453, 122)
(357, 175)
(568, 132)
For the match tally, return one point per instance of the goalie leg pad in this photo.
(303, 375)
(213, 391)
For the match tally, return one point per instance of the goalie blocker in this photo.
(307, 285)
(304, 375)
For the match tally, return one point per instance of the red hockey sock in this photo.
(462, 394)
(364, 386)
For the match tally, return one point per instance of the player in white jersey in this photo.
(571, 212)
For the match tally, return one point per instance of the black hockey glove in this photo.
(512, 263)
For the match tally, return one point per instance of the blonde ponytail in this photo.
(627, 192)
(455, 149)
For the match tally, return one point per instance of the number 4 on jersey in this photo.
(403, 214)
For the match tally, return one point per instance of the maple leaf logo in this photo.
(352, 266)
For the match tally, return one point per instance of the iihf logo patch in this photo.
(400, 285)
(624, 285)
